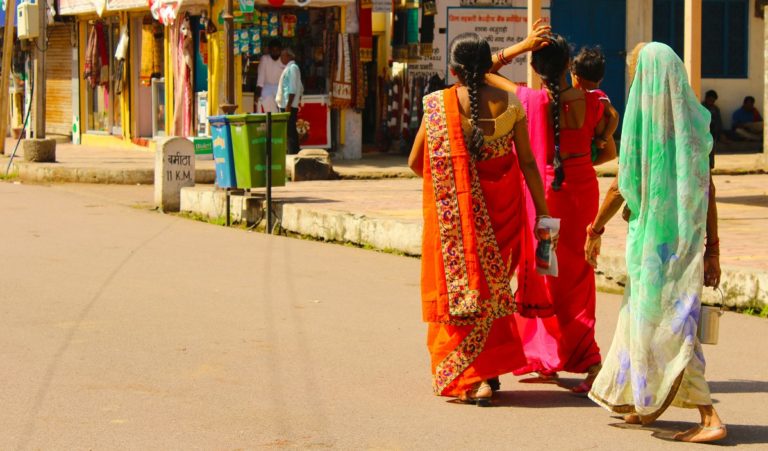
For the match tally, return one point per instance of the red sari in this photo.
(569, 344)
(474, 223)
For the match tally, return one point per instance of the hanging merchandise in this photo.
(365, 17)
(274, 25)
(264, 24)
(276, 3)
(427, 31)
(413, 32)
(164, 11)
(96, 56)
(255, 35)
(400, 36)
(430, 7)
(288, 25)
(341, 85)
(358, 92)
(182, 55)
(245, 41)
(121, 52)
(236, 42)
(246, 6)
(301, 3)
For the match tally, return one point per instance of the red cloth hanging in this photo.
(365, 18)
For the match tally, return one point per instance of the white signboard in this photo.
(382, 6)
(474, 18)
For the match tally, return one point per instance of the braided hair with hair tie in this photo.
(471, 60)
(550, 63)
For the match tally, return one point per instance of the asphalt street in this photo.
(122, 328)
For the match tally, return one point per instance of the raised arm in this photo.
(534, 41)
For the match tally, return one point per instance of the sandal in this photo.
(586, 386)
(692, 435)
(480, 395)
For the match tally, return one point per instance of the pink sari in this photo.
(567, 340)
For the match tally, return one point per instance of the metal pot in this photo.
(709, 322)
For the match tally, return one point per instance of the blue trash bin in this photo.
(222, 152)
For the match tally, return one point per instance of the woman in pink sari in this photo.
(562, 123)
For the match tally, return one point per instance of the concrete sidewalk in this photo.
(386, 215)
(135, 165)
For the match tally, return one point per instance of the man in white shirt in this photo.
(289, 92)
(270, 69)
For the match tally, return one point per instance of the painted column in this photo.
(534, 13)
(639, 27)
(351, 146)
(692, 46)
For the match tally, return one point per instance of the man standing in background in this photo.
(270, 69)
(289, 92)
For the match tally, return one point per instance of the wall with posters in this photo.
(503, 23)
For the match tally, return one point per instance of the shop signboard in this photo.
(382, 6)
(502, 25)
(72, 7)
(124, 5)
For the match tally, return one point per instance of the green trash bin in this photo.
(249, 147)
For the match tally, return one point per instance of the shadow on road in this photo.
(739, 386)
(752, 201)
(738, 434)
(538, 399)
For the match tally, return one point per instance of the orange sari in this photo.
(474, 219)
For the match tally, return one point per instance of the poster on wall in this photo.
(501, 27)
(512, 10)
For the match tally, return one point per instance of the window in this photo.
(724, 34)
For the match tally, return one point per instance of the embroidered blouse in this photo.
(501, 141)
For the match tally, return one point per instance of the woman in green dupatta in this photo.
(656, 359)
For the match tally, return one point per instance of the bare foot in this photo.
(701, 434)
(632, 418)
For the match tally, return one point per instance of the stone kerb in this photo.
(174, 170)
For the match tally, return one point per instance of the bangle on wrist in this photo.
(712, 243)
(595, 233)
(501, 57)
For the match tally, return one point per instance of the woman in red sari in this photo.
(563, 122)
(473, 153)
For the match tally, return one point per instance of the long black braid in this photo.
(471, 60)
(550, 63)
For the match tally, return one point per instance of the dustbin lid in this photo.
(217, 120)
(276, 117)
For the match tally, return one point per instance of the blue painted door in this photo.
(597, 22)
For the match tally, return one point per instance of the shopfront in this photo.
(126, 61)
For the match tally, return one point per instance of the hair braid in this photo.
(550, 63)
(554, 90)
(471, 60)
(474, 81)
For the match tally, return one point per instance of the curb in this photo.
(55, 173)
(742, 287)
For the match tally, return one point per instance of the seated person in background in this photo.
(587, 71)
(715, 124)
(747, 121)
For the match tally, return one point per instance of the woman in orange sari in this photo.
(473, 153)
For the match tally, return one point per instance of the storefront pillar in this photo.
(692, 46)
(351, 127)
(639, 26)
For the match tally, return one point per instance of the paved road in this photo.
(126, 329)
